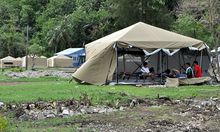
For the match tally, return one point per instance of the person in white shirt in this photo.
(145, 72)
(189, 71)
(144, 69)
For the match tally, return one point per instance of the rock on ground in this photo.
(40, 73)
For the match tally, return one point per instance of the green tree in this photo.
(59, 24)
(153, 12)
(11, 41)
(206, 12)
(84, 24)
(212, 18)
(189, 26)
(34, 51)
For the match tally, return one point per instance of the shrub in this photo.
(16, 69)
(3, 124)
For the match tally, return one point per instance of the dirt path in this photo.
(155, 119)
(10, 83)
(156, 115)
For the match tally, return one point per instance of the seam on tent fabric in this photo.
(109, 68)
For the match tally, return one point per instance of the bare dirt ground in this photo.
(10, 83)
(163, 118)
(152, 115)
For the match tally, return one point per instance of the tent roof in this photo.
(101, 56)
(213, 51)
(147, 33)
(60, 57)
(43, 56)
(19, 58)
(69, 51)
(8, 58)
(30, 56)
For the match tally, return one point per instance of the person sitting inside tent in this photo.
(189, 70)
(197, 69)
(145, 72)
(176, 74)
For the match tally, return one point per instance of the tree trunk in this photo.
(33, 61)
(216, 40)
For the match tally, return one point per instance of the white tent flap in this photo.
(148, 53)
(170, 52)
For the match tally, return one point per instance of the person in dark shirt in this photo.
(197, 69)
(189, 71)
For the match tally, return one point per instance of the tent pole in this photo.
(116, 49)
(161, 66)
(167, 61)
(124, 63)
(209, 57)
(183, 59)
(158, 62)
(201, 58)
(179, 62)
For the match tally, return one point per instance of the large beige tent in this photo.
(101, 54)
(40, 62)
(8, 62)
(59, 61)
(18, 62)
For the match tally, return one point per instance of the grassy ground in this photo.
(47, 125)
(52, 88)
(61, 90)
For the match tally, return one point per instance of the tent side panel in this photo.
(63, 63)
(97, 68)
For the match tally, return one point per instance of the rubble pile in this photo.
(188, 115)
(37, 74)
(42, 109)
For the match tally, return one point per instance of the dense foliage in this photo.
(59, 24)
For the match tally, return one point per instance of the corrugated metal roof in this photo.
(60, 56)
(69, 51)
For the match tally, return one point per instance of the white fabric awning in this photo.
(147, 53)
(170, 52)
(167, 51)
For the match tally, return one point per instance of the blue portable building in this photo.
(77, 55)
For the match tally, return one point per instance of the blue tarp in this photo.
(77, 54)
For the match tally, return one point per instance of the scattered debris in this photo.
(1, 104)
(41, 110)
(186, 115)
(133, 103)
(40, 73)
